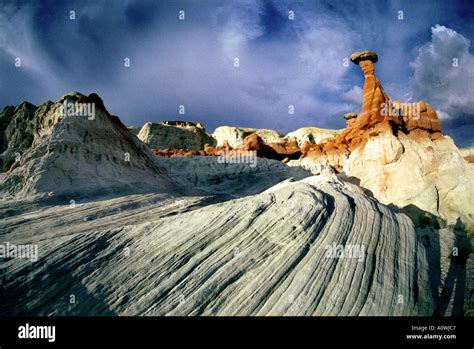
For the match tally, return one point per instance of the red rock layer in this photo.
(284, 150)
(469, 159)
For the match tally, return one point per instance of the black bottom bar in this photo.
(318, 332)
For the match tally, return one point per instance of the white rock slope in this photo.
(264, 254)
(431, 175)
(75, 157)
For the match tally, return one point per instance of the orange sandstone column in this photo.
(373, 93)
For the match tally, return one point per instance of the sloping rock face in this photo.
(311, 135)
(397, 152)
(313, 247)
(229, 176)
(235, 136)
(176, 135)
(75, 155)
(431, 175)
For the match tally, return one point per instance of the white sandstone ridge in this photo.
(406, 170)
(429, 174)
(311, 135)
(175, 135)
(73, 155)
(187, 135)
(235, 135)
(317, 246)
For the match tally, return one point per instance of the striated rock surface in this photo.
(228, 176)
(176, 135)
(264, 254)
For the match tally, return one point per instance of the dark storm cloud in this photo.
(191, 62)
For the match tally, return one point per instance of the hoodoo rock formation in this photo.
(396, 151)
(373, 93)
(382, 146)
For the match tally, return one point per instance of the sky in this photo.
(250, 63)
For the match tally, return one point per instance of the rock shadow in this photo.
(49, 290)
(448, 294)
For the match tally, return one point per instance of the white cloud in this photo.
(444, 73)
(443, 115)
(353, 96)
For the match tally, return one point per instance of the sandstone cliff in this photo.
(177, 135)
(74, 156)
